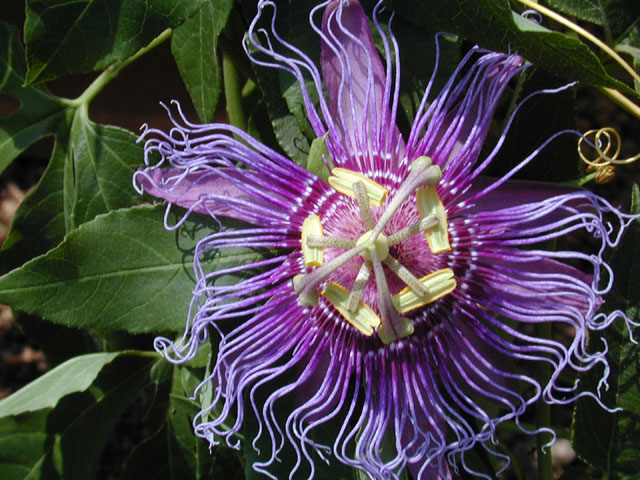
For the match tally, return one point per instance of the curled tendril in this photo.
(603, 141)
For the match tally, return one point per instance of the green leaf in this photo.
(121, 271)
(23, 441)
(65, 37)
(40, 113)
(40, 222)
(174, 452)
(630, 45)
(194, 45)
(75, 375)
(490, 24)
(615, 16)
(292, 94)
(103, 159)
(635, 54)
(188, 455)
(66, 442)
(89, 174)
(318, 154)
(611, 441)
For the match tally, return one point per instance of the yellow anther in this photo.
(429, 203)
(438, 284)
(364, 319)
(313, 256)
(403, 329)
(342, 180)
(381, 246)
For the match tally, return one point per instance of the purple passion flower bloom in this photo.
(399, 297)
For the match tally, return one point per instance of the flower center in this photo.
(373, 246)
(380, 245)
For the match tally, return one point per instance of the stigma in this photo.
(386, 318)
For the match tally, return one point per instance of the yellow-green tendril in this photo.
(604, 141)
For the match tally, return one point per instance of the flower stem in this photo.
(621, 100)
(113, 70)
(233, 92)
(582, 180)
(543, 414)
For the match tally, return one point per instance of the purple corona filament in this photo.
(399, 296)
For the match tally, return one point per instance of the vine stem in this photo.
(113, 70)
(233, 92)
(543, 414)
(582, 180)
(622, 101)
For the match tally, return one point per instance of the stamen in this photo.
(438, 284)
(429, 204)
(406, 276)
(363, 203)
(393, 326)
(408, 232)
(306, 284)
(422, 172)
(364, 319)
(342, 180)
(312, 227)
(358, 286)
(330, 242)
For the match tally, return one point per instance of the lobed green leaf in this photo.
(40, 113)
(193, 46)
(75, 375)
(491, 24)
(174, 452)
(318, 155)
(66, 441)
(121, 271)
(89, 174)
(64, 37)
(615, 16)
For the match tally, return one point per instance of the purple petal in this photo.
(353, 73)
(211, 193)
(457, 121)
(486, 197)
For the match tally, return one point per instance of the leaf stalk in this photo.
(113, 70)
